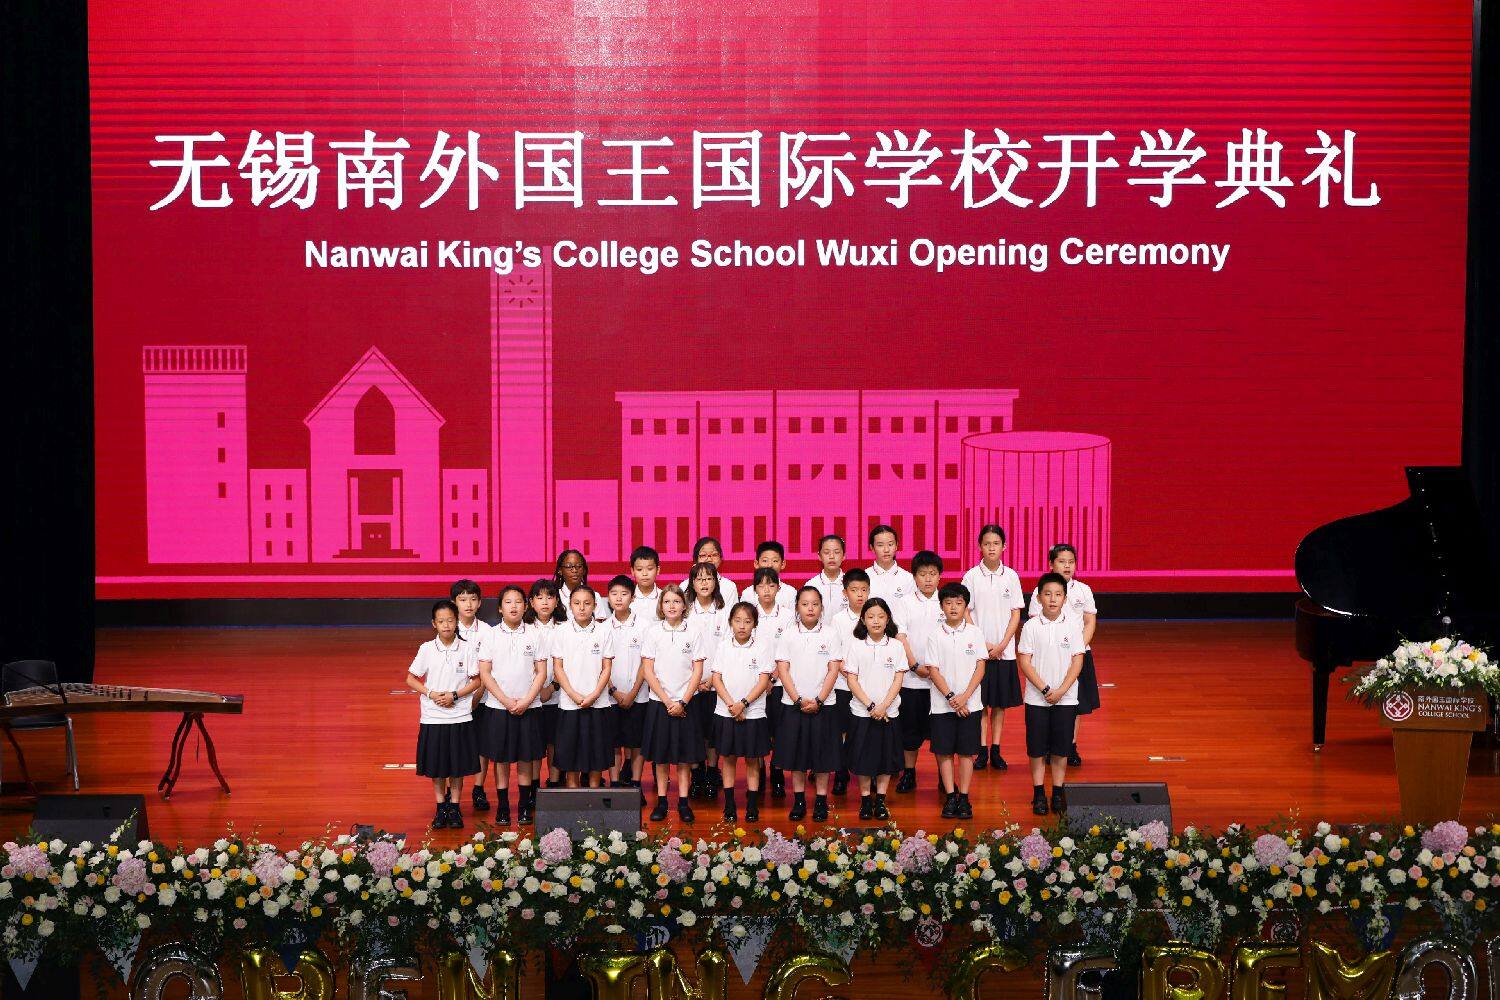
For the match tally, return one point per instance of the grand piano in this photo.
(1418, 570)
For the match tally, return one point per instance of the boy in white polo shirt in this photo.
(645, 564)
(954, 656)
(474, 632)
(772, 555)
(919, 616)
(1050, 656)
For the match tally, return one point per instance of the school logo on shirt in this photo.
(822, 647)
(900, 593)
(687, 646)
(594, 648)
(1078, 603)
(969, 650)
(635, 641)
(1066, 641)
(890, 661)
(753, 662)
(529, 649)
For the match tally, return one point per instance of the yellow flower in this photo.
(249, 878)
(234, 849)
(589, 855)
(26, 919)
(1004, 897)
(775, 897)
(739, 831)
(1480, 904)
(687, 890)
(619, 883)
(1354, 903)
(1187, 900)
(926, 909)
(112, 850)
(1408, 831)
(347, 856)
(239, 902)
(1422, 882)
(1161, 891)
(316, 911)
(665, 909)
(152, 857)
(958, 831)
(589, 914)
(1094, 830)
(1046, 894)
(1003, 850)
(827, 902)
(1379, 860)
(878, 891)
(575, 881)
(1057, 852)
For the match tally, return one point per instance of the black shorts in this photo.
(913, 720)
(1049, 730)
(1001, 687)
(952, 735)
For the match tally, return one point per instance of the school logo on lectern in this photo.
(1398, 707)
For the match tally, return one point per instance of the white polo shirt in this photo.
(712, 626)
(1080, 602)
(807, 653)
(771, 625)
(876, 665)
(1052, 646)
(891, 585)
(582, 651)
(832, 591)
(474, 635)
(727, 590)
(444, 668)
(786, 596)
(956, 653)
(626, 640)
(513, 654)
(644, 605)
(992, 597)
(548, 630)
(843, 628)
(673, 652)
(741, 667)
(918, 617)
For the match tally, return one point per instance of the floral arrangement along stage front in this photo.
(1002, 895)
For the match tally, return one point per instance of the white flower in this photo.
(112, 894)
(351, 882)
(1396, 875)
(143, 921)
(687, 918)
(419, 898)
(166, 897)
(271, 908)
(1324, 906)
(552, 918)
(214, 890)
(906, 913)
(1481, 881)
(614, 929)
(635, 909)
(46, 928)
(356, 918)
(1332, 843)
(1065, 917)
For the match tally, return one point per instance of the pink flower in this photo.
(382, 857)
(131, 877)
(1035, 848)
(268, 868)
(1271, 850)
(528, 914)
(674, 864)
(393, 921)
(32, 860)
(781, 851)
(915, 854)
(1415, 871)
(1448, 837)
(1156, 832)
(556, 845)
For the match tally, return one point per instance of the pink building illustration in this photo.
(521, 414)
(588, 518)
(278, 515)
(373, 456)
(466, 515)
(1043, 487)
(196, 461)
(743, 466)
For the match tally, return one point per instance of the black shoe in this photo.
(714, 782)
(908, 780)
(659, 811)
(840, 782)
(480, 799)
(455, 817)
(502, 813)
(752, 807)
(997, 762)
(950, 806)
(684, 811)
(1059, 801)
(981, 761)
(1039, 804)
(1073, 759)
(799, 807)
(440, 817)
(880, 811)
(696, 788)
(820, 809)
(866, 807)
(965, 809)
(778, 783)
(731, 813)
(525, 799)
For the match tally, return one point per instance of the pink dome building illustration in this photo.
(743, 466)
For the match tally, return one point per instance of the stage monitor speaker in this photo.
(1133, 803)
(588, 810)
(95, 818)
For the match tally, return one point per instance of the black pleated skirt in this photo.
(747, 738)
(808, 742)
(585, 739)
(628, 725)
(667, 739)
(774, 709)
(549, 724)
(701, 712)
(874, 747)
(1001, 686)
(1088, 685)
(447, 750)
(512, 739)
(912, 721)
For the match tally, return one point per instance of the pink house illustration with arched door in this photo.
(374, 469)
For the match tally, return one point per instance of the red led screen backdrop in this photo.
(392, 293)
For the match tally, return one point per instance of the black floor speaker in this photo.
(95, 818)
(1133, 803)
(588, 810)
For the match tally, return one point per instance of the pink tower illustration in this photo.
(196, 462)
(374, 470)
(521, 415)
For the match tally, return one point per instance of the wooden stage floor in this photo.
(1227, 704)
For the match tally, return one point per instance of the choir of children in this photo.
(853, 673)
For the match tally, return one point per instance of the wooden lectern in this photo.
(1432, 729)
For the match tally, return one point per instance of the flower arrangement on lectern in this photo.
(1441, 663)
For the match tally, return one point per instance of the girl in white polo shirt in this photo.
(995, 606)
(1050, 655)
(513, 669)
(447, 751)
(874, 662)
(708, 614)
(581, 654)
(888, 581)
(672, 663)
(807, 661)
(955, 655)
(545, 610)
(742, 669)
(774, 610)
(1063, 559)
(829, 583)
(708, 550)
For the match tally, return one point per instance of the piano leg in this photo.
(213, 757)
(1322, 672)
